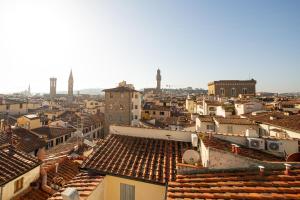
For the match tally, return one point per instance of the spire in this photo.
(71, 75)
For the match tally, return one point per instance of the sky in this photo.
(193, 42)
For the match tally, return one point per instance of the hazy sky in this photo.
(192, 42)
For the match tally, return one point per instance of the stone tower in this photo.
(158, 81)
(52, 88)
(70, 88)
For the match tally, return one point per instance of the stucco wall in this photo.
(225, 160)
(29, 177)
(237, 129)
(143, 191)
(151, 133)
(98, 193)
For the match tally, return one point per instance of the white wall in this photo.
(249, 107)
(151, 133)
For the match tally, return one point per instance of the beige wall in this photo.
(34, 123)
(98, 193)
(151, 133)
(29, 177)
(143, 191)
(236, 128)
(14, 109)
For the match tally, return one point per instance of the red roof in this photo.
(146, 159)
(236, 185)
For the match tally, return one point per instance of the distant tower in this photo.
(158, 81)
(52, 88)
(70, 87)
(28, 92)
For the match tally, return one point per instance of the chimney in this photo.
(261, 170)
(287, 168)
(56, 167)
(237, 149)
(209, 135)
(46, 187)
(233, 148)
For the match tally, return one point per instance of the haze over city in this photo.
(192, 42)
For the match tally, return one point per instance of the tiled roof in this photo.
(84, 183)
(14, 163)
(67, 170)
(52, 132)
(244, 151)
(291, 122)
(236, 185)
(205, 118)
(146, 159)
(24, 140)
(234, 120)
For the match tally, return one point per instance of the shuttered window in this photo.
(127, 192)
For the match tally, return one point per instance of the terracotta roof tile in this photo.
(239, 185)
(14, 163)
(84, 183)
(147, 159)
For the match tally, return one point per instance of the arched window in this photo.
(245, 91)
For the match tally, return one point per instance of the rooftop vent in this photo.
(70, 194)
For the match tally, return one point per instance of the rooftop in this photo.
(216, 143)
(234, 120)
(145, 159)
(14, 163)
(236, 185)
(52, 132)
(291, 122)
(84, 183)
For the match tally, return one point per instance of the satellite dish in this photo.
(191, 157)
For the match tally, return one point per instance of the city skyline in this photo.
(193, 43)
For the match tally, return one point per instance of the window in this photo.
(135, 117)
(111, 95)
(7, 107)
(233, 92)
(136, 96)
(222, 91)
(244, 91)
(21, 105)
(153, 113)
(210, 127)
(136, 107)
(229, 129)
(127, 192)
(18, 184)
(161, 113)
(147, 112)
(121, 107)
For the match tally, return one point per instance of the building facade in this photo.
(232, 88)
(122, 105)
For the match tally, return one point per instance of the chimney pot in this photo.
(261, 170)
(56, 167)
(287, 168)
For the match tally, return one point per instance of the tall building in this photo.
(158, 81)
(122, 105)
(232, 88)
(52, 88)
(70, 88)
